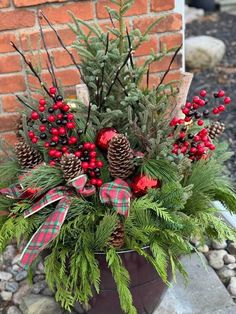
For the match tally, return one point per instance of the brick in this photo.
(9, 138)
(10, 64)
(154, 80)
(10, 104)
(8, 122)
(4, 3)
(5, 39)
(16, 19)
(163, 64)
(11, 84)
(171, 41)
(147, 47)
(172, 76)
(59, 14)
(170, 22)
(32, 39)
(139, 8)
(38, 59)
(162, 5)
(27, 3)
(62, 58)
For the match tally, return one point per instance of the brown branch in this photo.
(169, 67)
(24, 103)
(62, 44)
(148, 76)
(31, 68)
(111, 19)
(88, 117)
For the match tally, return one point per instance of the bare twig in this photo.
(32, 69)
(62, 44)
(148, 76)
(111, 19)
(88, 117)
(130, 48)
(24, 103)
(169, 67)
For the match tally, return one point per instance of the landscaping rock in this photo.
(229, 259)
(39, 286)
(5, 276)
(47, 292)
(34, 304)
(12, 286)
(215, 258)
(192, 14)
(232, 248)
(18, 296)
(225, 274)
(6, 295)
(203, 52)
(219, 245)
(203, 248)
(232, 286)
(13, 310)
(9, 253)
(21, 275)
(231, 266)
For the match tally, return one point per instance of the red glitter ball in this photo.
(104, 136)
(141, 184)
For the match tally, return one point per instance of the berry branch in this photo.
(24, 103)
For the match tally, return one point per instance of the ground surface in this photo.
(221, 26)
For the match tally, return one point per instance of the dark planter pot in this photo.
(207, 5)
(146, 286)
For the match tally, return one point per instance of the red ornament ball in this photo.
(141, 184)
(104, 136)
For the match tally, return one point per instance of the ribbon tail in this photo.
(13, 191)
(46, 233)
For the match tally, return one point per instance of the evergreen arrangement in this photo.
(117, 173)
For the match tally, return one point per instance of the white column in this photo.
(179, 8)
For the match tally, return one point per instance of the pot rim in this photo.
(123, 251)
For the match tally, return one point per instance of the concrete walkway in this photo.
(205, 293)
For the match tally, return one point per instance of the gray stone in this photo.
(78, 308)
(41, 268)
(12, 286)
(232, 248)
(231, 266)
(38, 278)
(204, 294)
(16, 268)
(215, 258)
(21, 275)
(229, 259)
(225, 274)
(16, 259)
(39, 286)
(203, 248)
(2, 285)
(47, 292)
(203, 52)
(5, 276)
(13, 310)
(9, 253)
(192, 14)
(232, 286)
(6, 295)
(23, 290)
(35, 304)
(219, 245)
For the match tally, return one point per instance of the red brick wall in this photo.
(18, 23)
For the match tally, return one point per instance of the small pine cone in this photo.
(71, 166)
(120, 157)
(216, 129)
(27, 156)
(117, 239)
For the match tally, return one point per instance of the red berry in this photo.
(92, 164)
(70, 125)
(42, 102)
(52, 152)
(183, 150)
(70, 116)
(186, 144)
(51, 118)
(187, 119)
(34, 140)
(208, 144)
(227, 100)
(31, 134)
(174, 121)
(99, 164)
(55, 107)
(205, 139)
(58, 154)
(64, 149)
(203, 93)
(201, 102)
(221, 93)
(54, 131)
(42, 128)
(201, 150)
(46, 145)
(193, 150)
(85, 165)
(195, 106)
(196, 99)
(196, 138)
(34, 115)
(181, 121)
(93, 154)
(185, 111)
(87, 146)
(212, 147)
(215, 111)
(62, 131)
(73, 140)
(59, 104)
(182, 135)
(93, 181)
(99, 182)
(175, 151)
(78, 154)
(188, 105)
(221, 108)
(203, 132)
(55, 138)
(65, 108)
(60, 116)
(52, 163)
(92, 174)
(52, 90)
(41, 109)
(200, 122)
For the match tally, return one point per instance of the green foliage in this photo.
(9, 172)
(160, 169)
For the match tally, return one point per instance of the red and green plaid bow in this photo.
(117, 194)
(51, 227)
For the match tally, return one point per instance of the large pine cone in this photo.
(27, 156)
(117, 239)
(71, 166)
(120, 157)
(216, 129)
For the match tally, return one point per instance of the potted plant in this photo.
(109, 193)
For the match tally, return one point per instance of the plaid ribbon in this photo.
(117, 194)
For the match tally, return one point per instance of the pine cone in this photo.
(120, 157)
(71, 166)
(27, 156)
(216, 129)
(117, 239)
